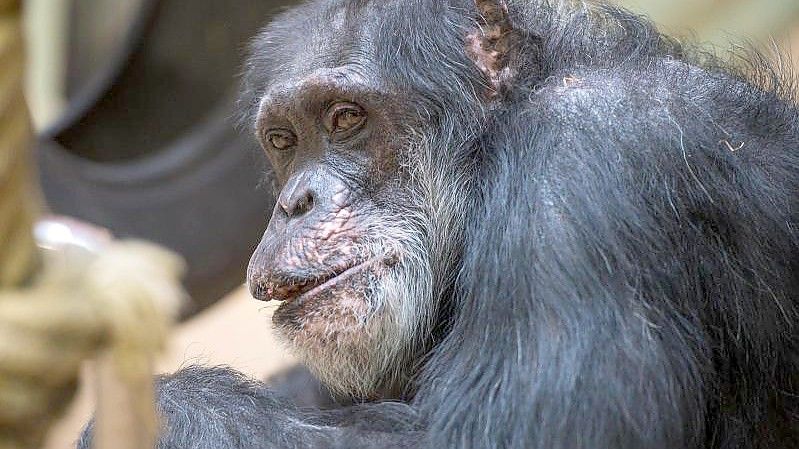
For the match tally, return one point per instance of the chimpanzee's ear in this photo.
(493, 44)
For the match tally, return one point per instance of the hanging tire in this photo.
(156, 155)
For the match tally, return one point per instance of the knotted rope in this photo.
(120, 300)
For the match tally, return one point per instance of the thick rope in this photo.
(121, 300)
(18, 202)
(58, 310)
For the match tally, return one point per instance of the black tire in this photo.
(199, 198)
(157, 156)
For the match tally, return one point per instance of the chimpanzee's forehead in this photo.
(325, 34)
(334, 33)
(398, 46)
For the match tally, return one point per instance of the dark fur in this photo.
(628, 280)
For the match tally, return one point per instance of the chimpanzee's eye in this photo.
(281, 139)
(342, 116)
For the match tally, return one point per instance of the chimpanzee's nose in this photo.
(297, 198)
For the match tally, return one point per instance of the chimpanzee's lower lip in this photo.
(333, 281)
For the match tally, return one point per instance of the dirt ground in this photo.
(236, 332)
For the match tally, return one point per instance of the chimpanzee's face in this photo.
(344, 249)
(372, 157)
(328, 138)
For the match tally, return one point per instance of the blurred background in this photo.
(134, 101)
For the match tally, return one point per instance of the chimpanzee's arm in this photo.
(218, 408)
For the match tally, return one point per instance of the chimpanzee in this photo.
(515, 224)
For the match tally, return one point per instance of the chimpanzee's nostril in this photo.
(297, 203)
(304, 204)
(258, 290)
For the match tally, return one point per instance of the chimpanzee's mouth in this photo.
(299, 291)
(335, 281)
(298, 288)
